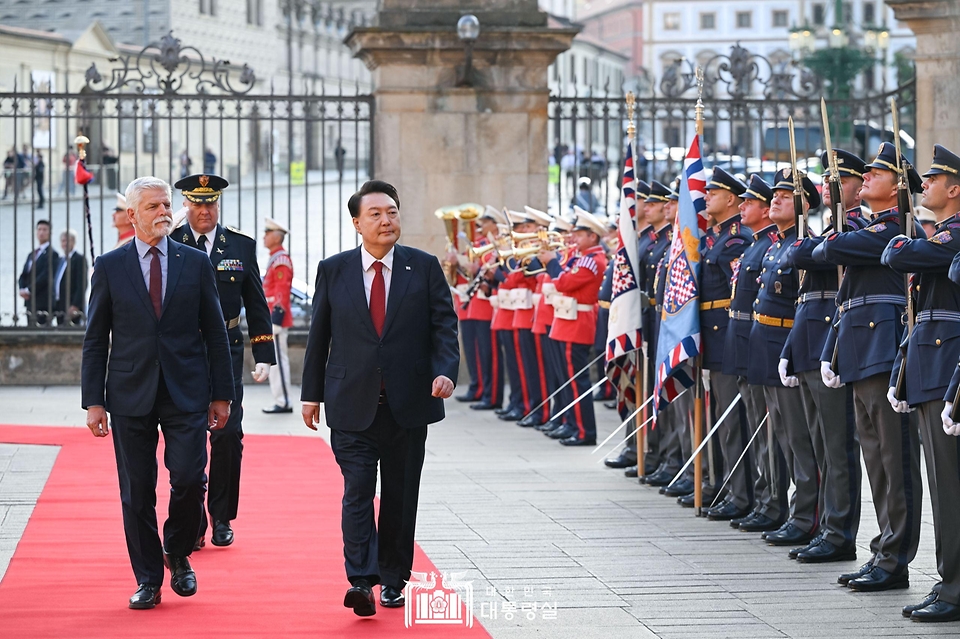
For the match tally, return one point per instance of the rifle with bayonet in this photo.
(905, 210)
(801, 216)
(837, 206)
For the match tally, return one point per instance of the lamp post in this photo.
(878, 39)
(468, 30)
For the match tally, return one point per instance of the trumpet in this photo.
(544, 236)
(475, 253)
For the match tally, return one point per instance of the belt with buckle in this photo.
(817, 295)
(937, 315)
(854, 302)
(235, 322)
(707, 306)
(779, 322)
(740, 315)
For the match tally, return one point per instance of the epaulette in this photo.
(239, 232)
(942, 237)
(954, 225)
(735, 228)
(877, 227)
(733, 241)
(773, 236)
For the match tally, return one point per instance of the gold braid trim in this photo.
(259, 339)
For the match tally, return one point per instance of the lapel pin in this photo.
(220, 250)
(408, 268)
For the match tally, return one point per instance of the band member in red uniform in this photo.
(575, 319)
(276, 286)
(480, 315)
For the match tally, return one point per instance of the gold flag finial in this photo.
(631, 127)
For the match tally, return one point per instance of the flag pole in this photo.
(698, 370)
(639, 372)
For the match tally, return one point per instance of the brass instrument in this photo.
(449, 216)
(475, 253)
(466, 214)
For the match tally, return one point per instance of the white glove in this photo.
(787, 380)
(950, 427)
(830, 379)
(897, 405)
(706, 381)
(261, 372)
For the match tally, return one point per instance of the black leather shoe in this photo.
(146, 597)
(630, 471)
(788, 535)
(484, 406)
(846, 577)
(511, 416)
(529, 422)
(878, 580)
(273, 410)
(576, 440)
(500, 411)
(650, 465)
(222, 534)
(796, 551)
(623, 460)
(610, 405)
(826, 552)
(682, 487)
(563, 432)
(686, 501)
(657, 479)
(929, 599)
(736, 521)
(360, 597)
(466, 398)
(937, 611)
(726, 512)
(201, 542)
(776, 530)
(183, 580)
(545, 426)
(760, 524)
(391, 597)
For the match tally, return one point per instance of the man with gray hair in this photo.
(155, 323)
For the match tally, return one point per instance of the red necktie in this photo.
(156, 281)
(378, 299)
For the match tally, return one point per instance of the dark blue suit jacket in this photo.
(190, 326)
(345, 361)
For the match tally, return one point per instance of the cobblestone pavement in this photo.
(532, 522)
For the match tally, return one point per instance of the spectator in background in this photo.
(69, 165)
(121, 222)
(39, 174)
(185, 164)
(585, 198)
(37, 277)
(9, 171)
(209, 161)
(339, 154)
(276, 286)
(71, 282)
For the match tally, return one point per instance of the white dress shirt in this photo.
(145, 260)
(369, 273)
(211, 236)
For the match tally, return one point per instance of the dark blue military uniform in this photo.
(872, 301)
(234, 258)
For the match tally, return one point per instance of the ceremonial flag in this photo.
(679, 341)
(624, 324)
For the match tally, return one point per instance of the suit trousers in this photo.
(381, 552)
(534, 372)
(770, 487)
(942, 455)
(226, 452)
(135, 442)
(891, 453)
(830, 414)
(468, 333)
(733, 437)
(280, 374)
(785, 406)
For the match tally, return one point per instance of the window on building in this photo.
(744, 19)
(255, 12)
(708, 21)
(671, 22)
(780, 18)
(869, 13)
(208, 7)
(819, 15)
(573, 68)
(869, 79)
(847, 13)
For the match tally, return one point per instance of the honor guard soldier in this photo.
(773, 313)
(574, 321)
(480, 313)
(234, 258)
(668, 440)
(770, 486)
(871, 304)
(276, 285)
(829, 411)
(932, 355)
(720, 250)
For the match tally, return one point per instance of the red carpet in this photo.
(70, 576)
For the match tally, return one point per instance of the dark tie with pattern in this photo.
(156, 281)
(202, 243)
(378, 298)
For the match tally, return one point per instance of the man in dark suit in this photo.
(71, 281)
(37, 278)
(382, 355)
(155, 323)
(234, 256)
